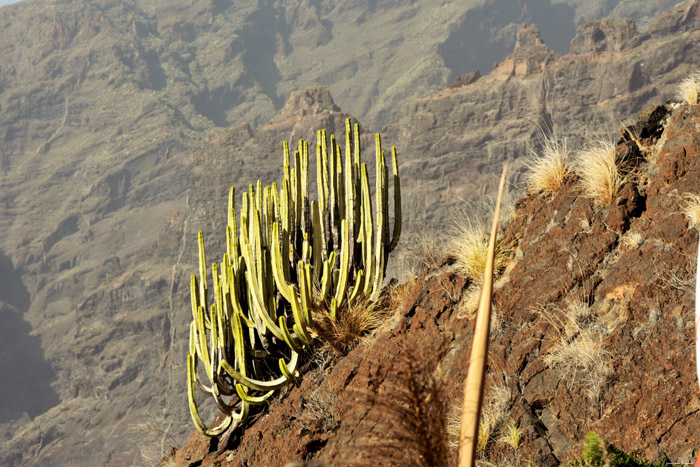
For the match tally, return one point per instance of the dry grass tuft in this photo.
(691, 209)
(546, 172)
(493, 413)
(470, 302)
(600, 177)
(579, 355)
(352, 324)
(510, 435)
(153, 438)
(398, 295)
(420, 251)
(470, 250)
(689, 89)
(319, 409)
(632, 240)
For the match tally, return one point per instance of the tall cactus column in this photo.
(288, 259)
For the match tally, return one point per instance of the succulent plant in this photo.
(287, 258)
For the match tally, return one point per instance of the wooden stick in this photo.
(474, 384)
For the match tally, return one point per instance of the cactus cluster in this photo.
(287, 259)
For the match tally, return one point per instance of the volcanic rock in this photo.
(593, 330)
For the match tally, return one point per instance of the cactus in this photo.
(287, 259)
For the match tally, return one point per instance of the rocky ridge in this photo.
(593, 330)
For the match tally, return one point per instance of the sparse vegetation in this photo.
(598, 453)
(153, 438)
(494, 412)
(470, 302)
(599, 174)
(579, 356)
(470, 249)
(632, 240)
(691, 209)
(319, 408)
(510, 435)
(689, 89)
(546, 171)
(353, 322)
(420, 251)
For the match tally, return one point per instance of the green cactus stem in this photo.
(287, 258)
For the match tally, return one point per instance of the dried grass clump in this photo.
(421, 251)
(494, 412)
(470, 250)
(579, 356)
(546, 171)
(510, 435)
(691, 209)
(153, 438)
(689, 89)
(319, 409)
(352, 324)
(633, 240)
(600, 176)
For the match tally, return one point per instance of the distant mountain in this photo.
(122, 124)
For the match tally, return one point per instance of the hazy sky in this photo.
(7, 2)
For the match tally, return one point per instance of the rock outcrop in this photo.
(593, 330)
(606, 36)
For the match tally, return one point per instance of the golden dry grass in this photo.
(352, 324)
(470, 250)
(691, 209)
(689, 89)
(579, 355)
(546, 171)
(493, 413)
(599, 174)
(510, 435)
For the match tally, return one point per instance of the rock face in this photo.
(453, 144)
(593, 331)
(530, 56)
(608, 35)
(105, 109)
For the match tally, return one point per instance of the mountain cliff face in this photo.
(593, 330)
(113, 155)
(454, 142)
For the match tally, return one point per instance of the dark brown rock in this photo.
(467, 78)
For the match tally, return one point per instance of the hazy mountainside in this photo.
(102, 105)
(454, 142)
(592, 330)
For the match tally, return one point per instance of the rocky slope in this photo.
(103, 104)
(593, 330)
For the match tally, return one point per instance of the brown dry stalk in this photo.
(410, 412)
(474, 385)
